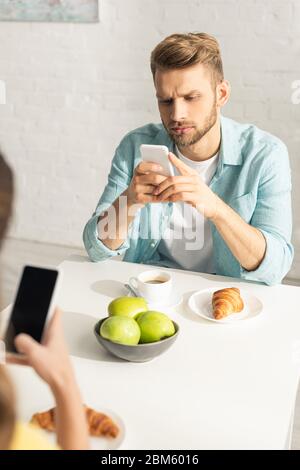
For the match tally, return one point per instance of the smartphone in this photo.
(33, 305)
(157, 154)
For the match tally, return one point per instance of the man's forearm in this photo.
(114, 223)
(246, 243)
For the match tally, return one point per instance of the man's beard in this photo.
(182, 140)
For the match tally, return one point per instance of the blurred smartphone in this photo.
(33, 305)
(157, 154)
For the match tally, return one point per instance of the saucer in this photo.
(174, 300)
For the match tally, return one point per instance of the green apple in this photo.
(127, 306)
(139, 315)
(155, 326)
(120, 329)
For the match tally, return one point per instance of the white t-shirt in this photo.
(187, 241)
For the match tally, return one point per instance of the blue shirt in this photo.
(252, 176)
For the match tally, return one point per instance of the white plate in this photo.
(174, 300)
(99, 443)
(201, 303)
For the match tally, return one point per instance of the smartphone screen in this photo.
(31, 306)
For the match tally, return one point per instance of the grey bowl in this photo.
(139, 352)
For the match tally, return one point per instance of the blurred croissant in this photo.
(226, 301)
(99, 424)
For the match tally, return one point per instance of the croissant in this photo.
(226, 301)
(99, 424)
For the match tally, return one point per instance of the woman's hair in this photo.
(7, 400)
(183, 50)
(6, 196)
(7, 410)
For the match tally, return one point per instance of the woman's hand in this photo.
(51, 362)
(50, 359)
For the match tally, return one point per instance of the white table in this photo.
(217, 387)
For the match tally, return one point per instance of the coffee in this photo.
(154, 285)
(156, 281)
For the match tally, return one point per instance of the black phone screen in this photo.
(31, 306)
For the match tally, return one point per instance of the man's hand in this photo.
(187, 187)
(145, 179)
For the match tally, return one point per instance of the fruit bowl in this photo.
(139, 352)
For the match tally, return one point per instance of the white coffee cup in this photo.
(154, 285)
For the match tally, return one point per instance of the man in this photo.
(231, 194)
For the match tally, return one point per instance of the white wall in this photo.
(73, 90)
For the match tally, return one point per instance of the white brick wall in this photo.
(73, 90)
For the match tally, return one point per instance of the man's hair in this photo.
(183, 50)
